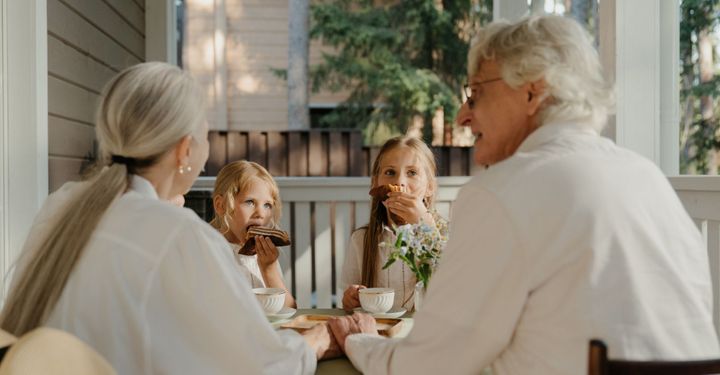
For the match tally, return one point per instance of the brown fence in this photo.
(315, 153)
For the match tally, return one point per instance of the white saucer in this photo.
(395, 312)
(285, 313)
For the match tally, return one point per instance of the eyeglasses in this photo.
(468, 88)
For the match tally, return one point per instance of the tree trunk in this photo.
(416, 127)
(297, 78)
(705, 57)
(438, 127)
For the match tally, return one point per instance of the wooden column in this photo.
(669, 87)
(510, 10)
(640, 54)
(160, 24)
(299, 45)
(220, 61)
(24, 122)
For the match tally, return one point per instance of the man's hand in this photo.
(344, 326)
(321, 339)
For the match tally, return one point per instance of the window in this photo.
(699, 87)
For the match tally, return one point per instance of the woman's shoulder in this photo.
(189, 220)
(63, 195)
(158, 218)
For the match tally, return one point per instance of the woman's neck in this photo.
(160, 179)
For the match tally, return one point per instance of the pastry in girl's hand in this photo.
(381, 192)
(277, 236)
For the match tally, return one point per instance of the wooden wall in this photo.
(255, 41)
(88, 42)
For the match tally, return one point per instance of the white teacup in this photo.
(377, 300)
(271, 300)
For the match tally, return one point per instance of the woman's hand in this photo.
(344, 326)
(351, 297)
(267, 252)
(407, 209)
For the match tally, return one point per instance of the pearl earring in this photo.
(183, 170)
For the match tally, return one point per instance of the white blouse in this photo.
(157, 291)
(398, 276)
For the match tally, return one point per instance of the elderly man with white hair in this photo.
(563, 237)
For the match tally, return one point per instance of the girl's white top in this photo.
(158, 291)
(250, 267)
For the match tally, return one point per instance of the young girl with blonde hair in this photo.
(246, 195)
(408, 162)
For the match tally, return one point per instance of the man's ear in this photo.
(219, 205)
(182, 151)
(536, 91)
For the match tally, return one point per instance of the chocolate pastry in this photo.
(278, 238)
(381, 192)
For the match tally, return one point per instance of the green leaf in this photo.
(389, 263)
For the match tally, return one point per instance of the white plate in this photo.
(285, 313)
(395, 312)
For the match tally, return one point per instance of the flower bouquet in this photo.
(419, 247)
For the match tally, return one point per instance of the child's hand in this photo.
(406, 207)
(351, 297)
(267, 252)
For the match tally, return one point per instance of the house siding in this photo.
(256, 42)
(89, 41)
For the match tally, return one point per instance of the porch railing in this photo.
(701, 197)
(321, 212)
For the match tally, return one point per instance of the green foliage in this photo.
(397, 61)
(699, 136)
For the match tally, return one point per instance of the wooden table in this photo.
(342, 365)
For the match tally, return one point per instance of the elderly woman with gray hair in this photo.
(150, 286)
(563, 237)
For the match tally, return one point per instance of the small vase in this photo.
(419, 294)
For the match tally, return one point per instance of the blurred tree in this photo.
(700, 87)
(586, 13)
(402, 61)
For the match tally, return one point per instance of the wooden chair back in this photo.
(599, 364)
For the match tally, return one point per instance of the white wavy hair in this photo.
(557, 49)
